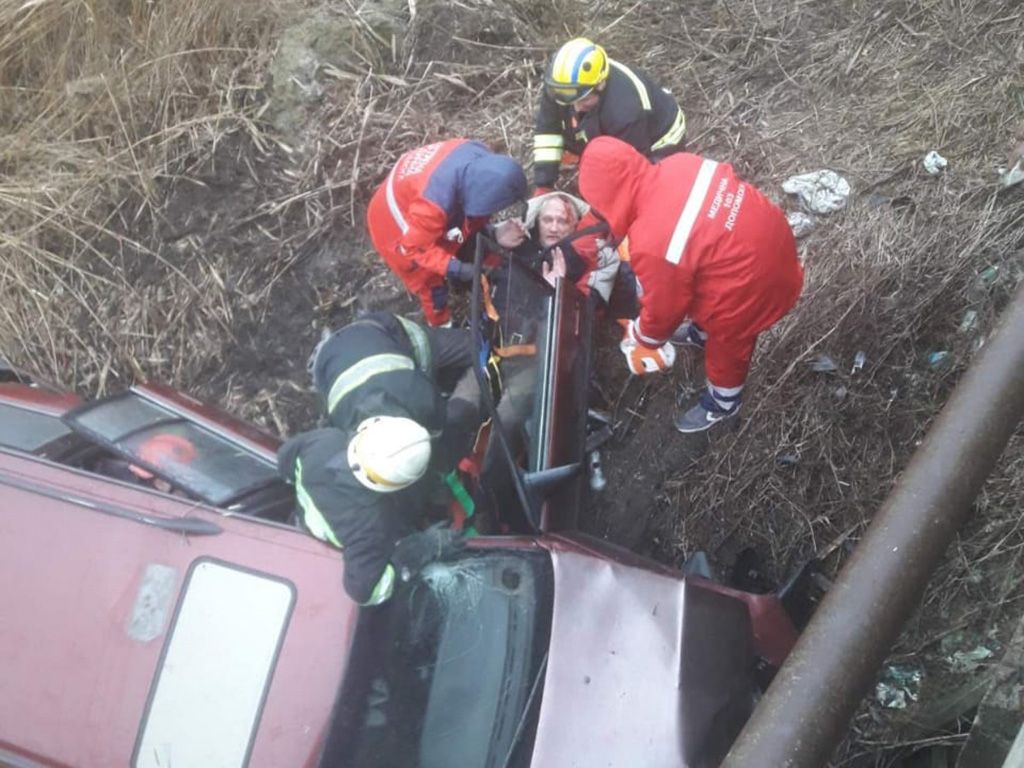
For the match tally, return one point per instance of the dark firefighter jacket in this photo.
(379, 365)
(338, 509)
(632, 108)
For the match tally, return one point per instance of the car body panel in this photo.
(643, 662)
(26, 409)
(77, 683)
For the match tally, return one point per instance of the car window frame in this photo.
(179, 415)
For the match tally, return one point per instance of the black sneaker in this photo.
(704, 415)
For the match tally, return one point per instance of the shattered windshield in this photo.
(449, 671)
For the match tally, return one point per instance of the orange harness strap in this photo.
(513, 350)
(516, 350)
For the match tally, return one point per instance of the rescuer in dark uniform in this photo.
(363, 483)
(587, 95)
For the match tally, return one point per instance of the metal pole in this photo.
(805, 712)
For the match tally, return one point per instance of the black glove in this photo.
(418, 549)
(460, 271)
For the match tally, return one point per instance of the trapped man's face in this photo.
(556, 221)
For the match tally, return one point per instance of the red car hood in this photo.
(639, 666)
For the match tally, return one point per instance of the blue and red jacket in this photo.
(440, 195)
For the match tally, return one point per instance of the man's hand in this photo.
(417, 550)
(642, 360)
(510, 233)
(556, 268)
(460, 271)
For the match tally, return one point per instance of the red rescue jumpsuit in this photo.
(703, 244)
(434, 199)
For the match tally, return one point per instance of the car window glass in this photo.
(28, 430)
(449, 672)
(202, 462)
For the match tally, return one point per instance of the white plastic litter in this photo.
(820, 191)
(934, 163)
(1012, 176)
(800, 223)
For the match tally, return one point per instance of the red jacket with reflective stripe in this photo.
(439, 195)
(703, 243)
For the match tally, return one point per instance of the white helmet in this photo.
(388, 453)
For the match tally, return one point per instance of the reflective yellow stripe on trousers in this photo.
(363, 371)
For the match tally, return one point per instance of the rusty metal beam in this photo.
(807, 708)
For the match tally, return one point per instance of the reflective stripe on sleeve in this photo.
(385, 586)
(547, 147)
(361, 372)
(396, 212)
(641, 89)
(312, 517)
(674, 135)
(694, 204)
(420, 344)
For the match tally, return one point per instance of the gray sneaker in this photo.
(687, 335)
(704, 415)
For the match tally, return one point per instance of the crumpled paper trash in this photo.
(934, 163)
(800, 223)
(820, 191)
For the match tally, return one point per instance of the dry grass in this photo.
(151, 224)
(103, 105)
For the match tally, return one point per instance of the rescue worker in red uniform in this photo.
(705, 246)
(587, 95)
(434, 200)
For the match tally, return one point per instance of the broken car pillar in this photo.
(805, 712)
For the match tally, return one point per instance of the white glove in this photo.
(642, 360)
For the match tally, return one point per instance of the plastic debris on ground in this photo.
(934, 163)
(1014, 173)
(969, 322)
(819, 191)
(823, 364)
(899, 685)
(969, 661)
(800, 223)
(988, 276)
(787, 459)
(840, 393)
(858, 362)
(937, 360)
(597, 478)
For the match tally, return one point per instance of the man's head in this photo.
(556, 220)
(576, 74)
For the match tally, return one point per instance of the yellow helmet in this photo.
(577, 69)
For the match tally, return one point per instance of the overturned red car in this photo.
(168, 613)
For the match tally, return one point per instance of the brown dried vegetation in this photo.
(154, 224)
